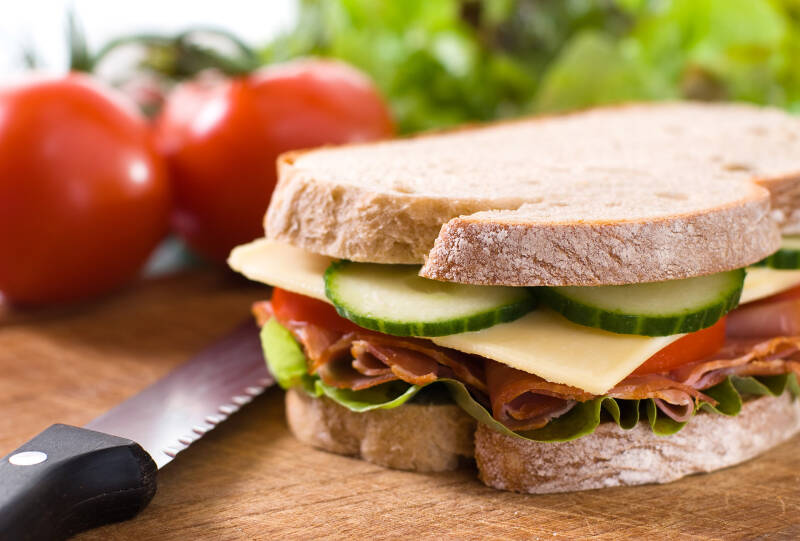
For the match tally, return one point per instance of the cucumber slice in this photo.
(787, 256)
(393, 299)
(652, 309)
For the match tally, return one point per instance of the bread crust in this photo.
(477, 250)
(422, 438)
(785, 198)
(693, 212)
(613, 457)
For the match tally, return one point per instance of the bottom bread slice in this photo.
(439, 437)
(417, 437)
(613, 457)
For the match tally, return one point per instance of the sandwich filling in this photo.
(343, 356)
(754, 350)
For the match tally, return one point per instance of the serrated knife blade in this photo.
(68, 479)
(179, 409)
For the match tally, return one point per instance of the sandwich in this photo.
(608, 297)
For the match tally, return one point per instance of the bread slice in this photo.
(613, 457)
(429, 438)
(416, 437)
(616, 195)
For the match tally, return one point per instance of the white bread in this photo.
(616, 195)
(423, 438)
(440, 437)
(613, 457)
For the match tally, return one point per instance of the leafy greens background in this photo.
(446, 62)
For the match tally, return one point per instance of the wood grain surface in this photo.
(249, 479)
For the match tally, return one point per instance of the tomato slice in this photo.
(692, 347)
(289, 306)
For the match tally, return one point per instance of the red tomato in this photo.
(83, 193)
(692, 347)
(221, 139)
(289, 306)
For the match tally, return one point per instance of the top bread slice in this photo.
(627, 194)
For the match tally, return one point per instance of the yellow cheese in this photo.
(546, 344)
(762, 282)
(283, 266)
(541, 343)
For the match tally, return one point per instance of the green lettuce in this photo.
(288, 364)
(454, 61)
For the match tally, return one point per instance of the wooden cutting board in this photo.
(249, 479)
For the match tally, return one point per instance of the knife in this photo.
(69, 479)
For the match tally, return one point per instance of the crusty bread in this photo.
(439, 437)
(785, 194)
(424, 438)
(613, 457)
(501, 248)
(615, 195)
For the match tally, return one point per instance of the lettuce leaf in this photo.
(594, 69)
(385, 396)
(285, 360)
(288, 364)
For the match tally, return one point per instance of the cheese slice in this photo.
(283, 266)
(763, 282)
(541, 342)
(546, 344)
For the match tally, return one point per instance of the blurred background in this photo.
(444, 62)
(39, 25)
(432, 64)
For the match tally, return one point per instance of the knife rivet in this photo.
(27, 458)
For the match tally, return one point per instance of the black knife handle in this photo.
(87, 479)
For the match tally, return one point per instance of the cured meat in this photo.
(364, 359)
(343, 375)
(517, 402)
(521, 401)
(674, 398)
(262, 311)
(779, 318)
(743, 357)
